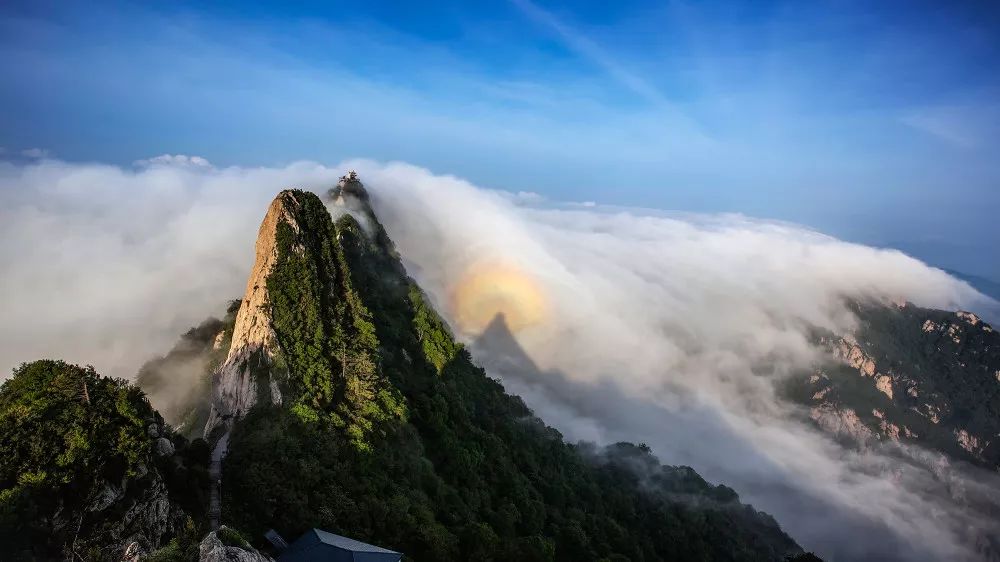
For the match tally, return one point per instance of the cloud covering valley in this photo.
(667, 328)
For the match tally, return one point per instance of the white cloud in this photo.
(672, 328)
(664, 328)
(591, 51)
(173, 160)
(964, 126)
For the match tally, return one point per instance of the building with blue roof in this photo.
(317, 545)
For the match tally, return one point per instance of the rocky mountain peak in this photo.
(234, 383)
(349, 185)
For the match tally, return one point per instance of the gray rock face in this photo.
(212, 549)
(246, 376)
(164, 448)
(131, 517)
(234, 383)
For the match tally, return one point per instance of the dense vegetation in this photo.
(944, 374)
(327, 340)
(76, 454)
(394, 436)
(183, 547)
(954, 363)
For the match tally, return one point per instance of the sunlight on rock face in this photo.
(486, 290)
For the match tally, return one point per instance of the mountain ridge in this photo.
(425, 421)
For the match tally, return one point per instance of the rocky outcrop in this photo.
(129, 516)
(163, 447)
(246, 376)
(238, 381)
(843, 421)
(884, 385)
(970, 443)
(848, 350)
(140, 512)
(224, 545)
(349, 196)
(349, 186)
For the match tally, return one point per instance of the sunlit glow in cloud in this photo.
(490, 289)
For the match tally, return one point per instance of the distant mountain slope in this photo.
(916, 375)
(921, 389)
(356, 411)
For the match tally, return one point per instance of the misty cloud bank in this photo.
(108, 266)
(664, 328)
(671, 329)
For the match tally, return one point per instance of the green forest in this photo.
(79, 465)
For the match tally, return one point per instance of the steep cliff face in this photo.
(245, 374)
(914, 375)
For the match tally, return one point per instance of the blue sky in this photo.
(875, 122)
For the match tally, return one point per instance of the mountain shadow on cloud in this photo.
(697, 436)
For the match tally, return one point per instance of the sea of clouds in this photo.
(672, 329)
(666, 328)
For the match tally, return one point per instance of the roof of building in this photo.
(318, 545)
(349, 544)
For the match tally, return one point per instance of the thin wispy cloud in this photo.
(963, 126)
(671, 120)
(35, 153)
(173, 160)
(592, 52)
